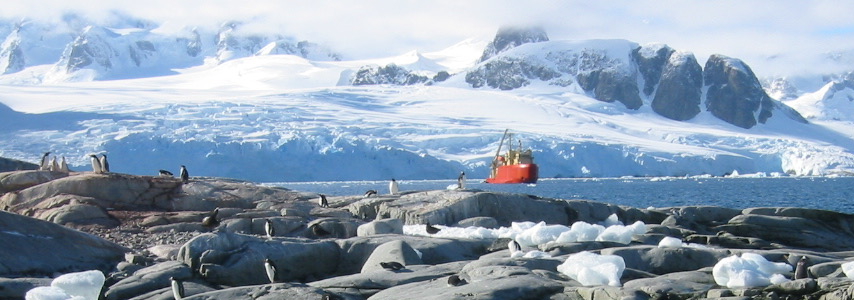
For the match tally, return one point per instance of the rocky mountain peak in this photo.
(509, 37)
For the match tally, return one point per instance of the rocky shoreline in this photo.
(143, 230)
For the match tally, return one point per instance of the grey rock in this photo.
(202, 194)
(191, 288)
(520, 285)
(683, 285)
(509, 37)
(795, 287)
(384, 226)
(485, 222)
(19, 180)
(828, 231)
(449, 207)
(32, 246)
(393, 251)
(557, 249)
(177, 227)
(667, 260)
(679, 91)
(369, 283)
(69, 210)
(262, 292)
(336, 227)
(16, 288)
(233, 259)
(111, 190)
(507, 73)
(148, 279)
(355, 251)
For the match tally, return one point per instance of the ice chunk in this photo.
(670, 242)
(749, 270)
(46, 293)
(848, 269)
(72, 286)
(592, 269)
(540, 234)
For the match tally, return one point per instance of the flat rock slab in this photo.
(35, 247)
(262, 292)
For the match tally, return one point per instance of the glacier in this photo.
(264, 116)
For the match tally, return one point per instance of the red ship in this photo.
(515, 166)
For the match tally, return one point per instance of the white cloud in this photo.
(750, 30)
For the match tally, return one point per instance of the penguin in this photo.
(185, 176)
(44, 164)
(431, 229)
(514, 247)
(177, 288)
(319, 231)
(63, 166)
(211, 220)
(370, 193)
(455, 280)
(54, 166)
(461, 180)
(392, 187)
(801, 268)
(105, 166)
(96, 164)
(392, 266)
(166, 173)
(269, 229)
(323, 202)
(270, 269)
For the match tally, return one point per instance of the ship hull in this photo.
(518, 173)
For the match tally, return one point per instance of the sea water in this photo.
(829, 193)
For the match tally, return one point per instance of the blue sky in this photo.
(793, 32)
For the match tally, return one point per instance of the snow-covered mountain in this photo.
(269, 108)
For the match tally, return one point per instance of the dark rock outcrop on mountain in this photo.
(735, 95)
(390, 74)
(508, 74)
(11, 55)
(651, 60)
(509, 37)
(91, 47)
(611, 85)
(680, 88)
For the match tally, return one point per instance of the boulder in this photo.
(110, 190)
(148, 279)
(36, 247)
(9, 165)
(369, 283)
(394, 251)
(204, 194)
(490, 283)
(384, 226)
(191, 288)
(234, 259)
(333, 227)
(683, 285)
(485, 222)
(451, 206)
(16, 288)
(19, 180)
(67, 209)
(267, 291)
(828, 231)
(355, 251)
(667, 260)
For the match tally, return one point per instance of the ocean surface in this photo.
(829, 193)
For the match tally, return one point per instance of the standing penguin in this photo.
(177, 288)
(392, 187)
(270, 269)
(431, 229)
(211, 220)
(44, 163)
(269, 229)
(322, 201)
(801, 268)
(461, 180)
(514, 247)
(105, 166)
(54, 166)
(96, 164)
(63, 166)
(185, 176)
